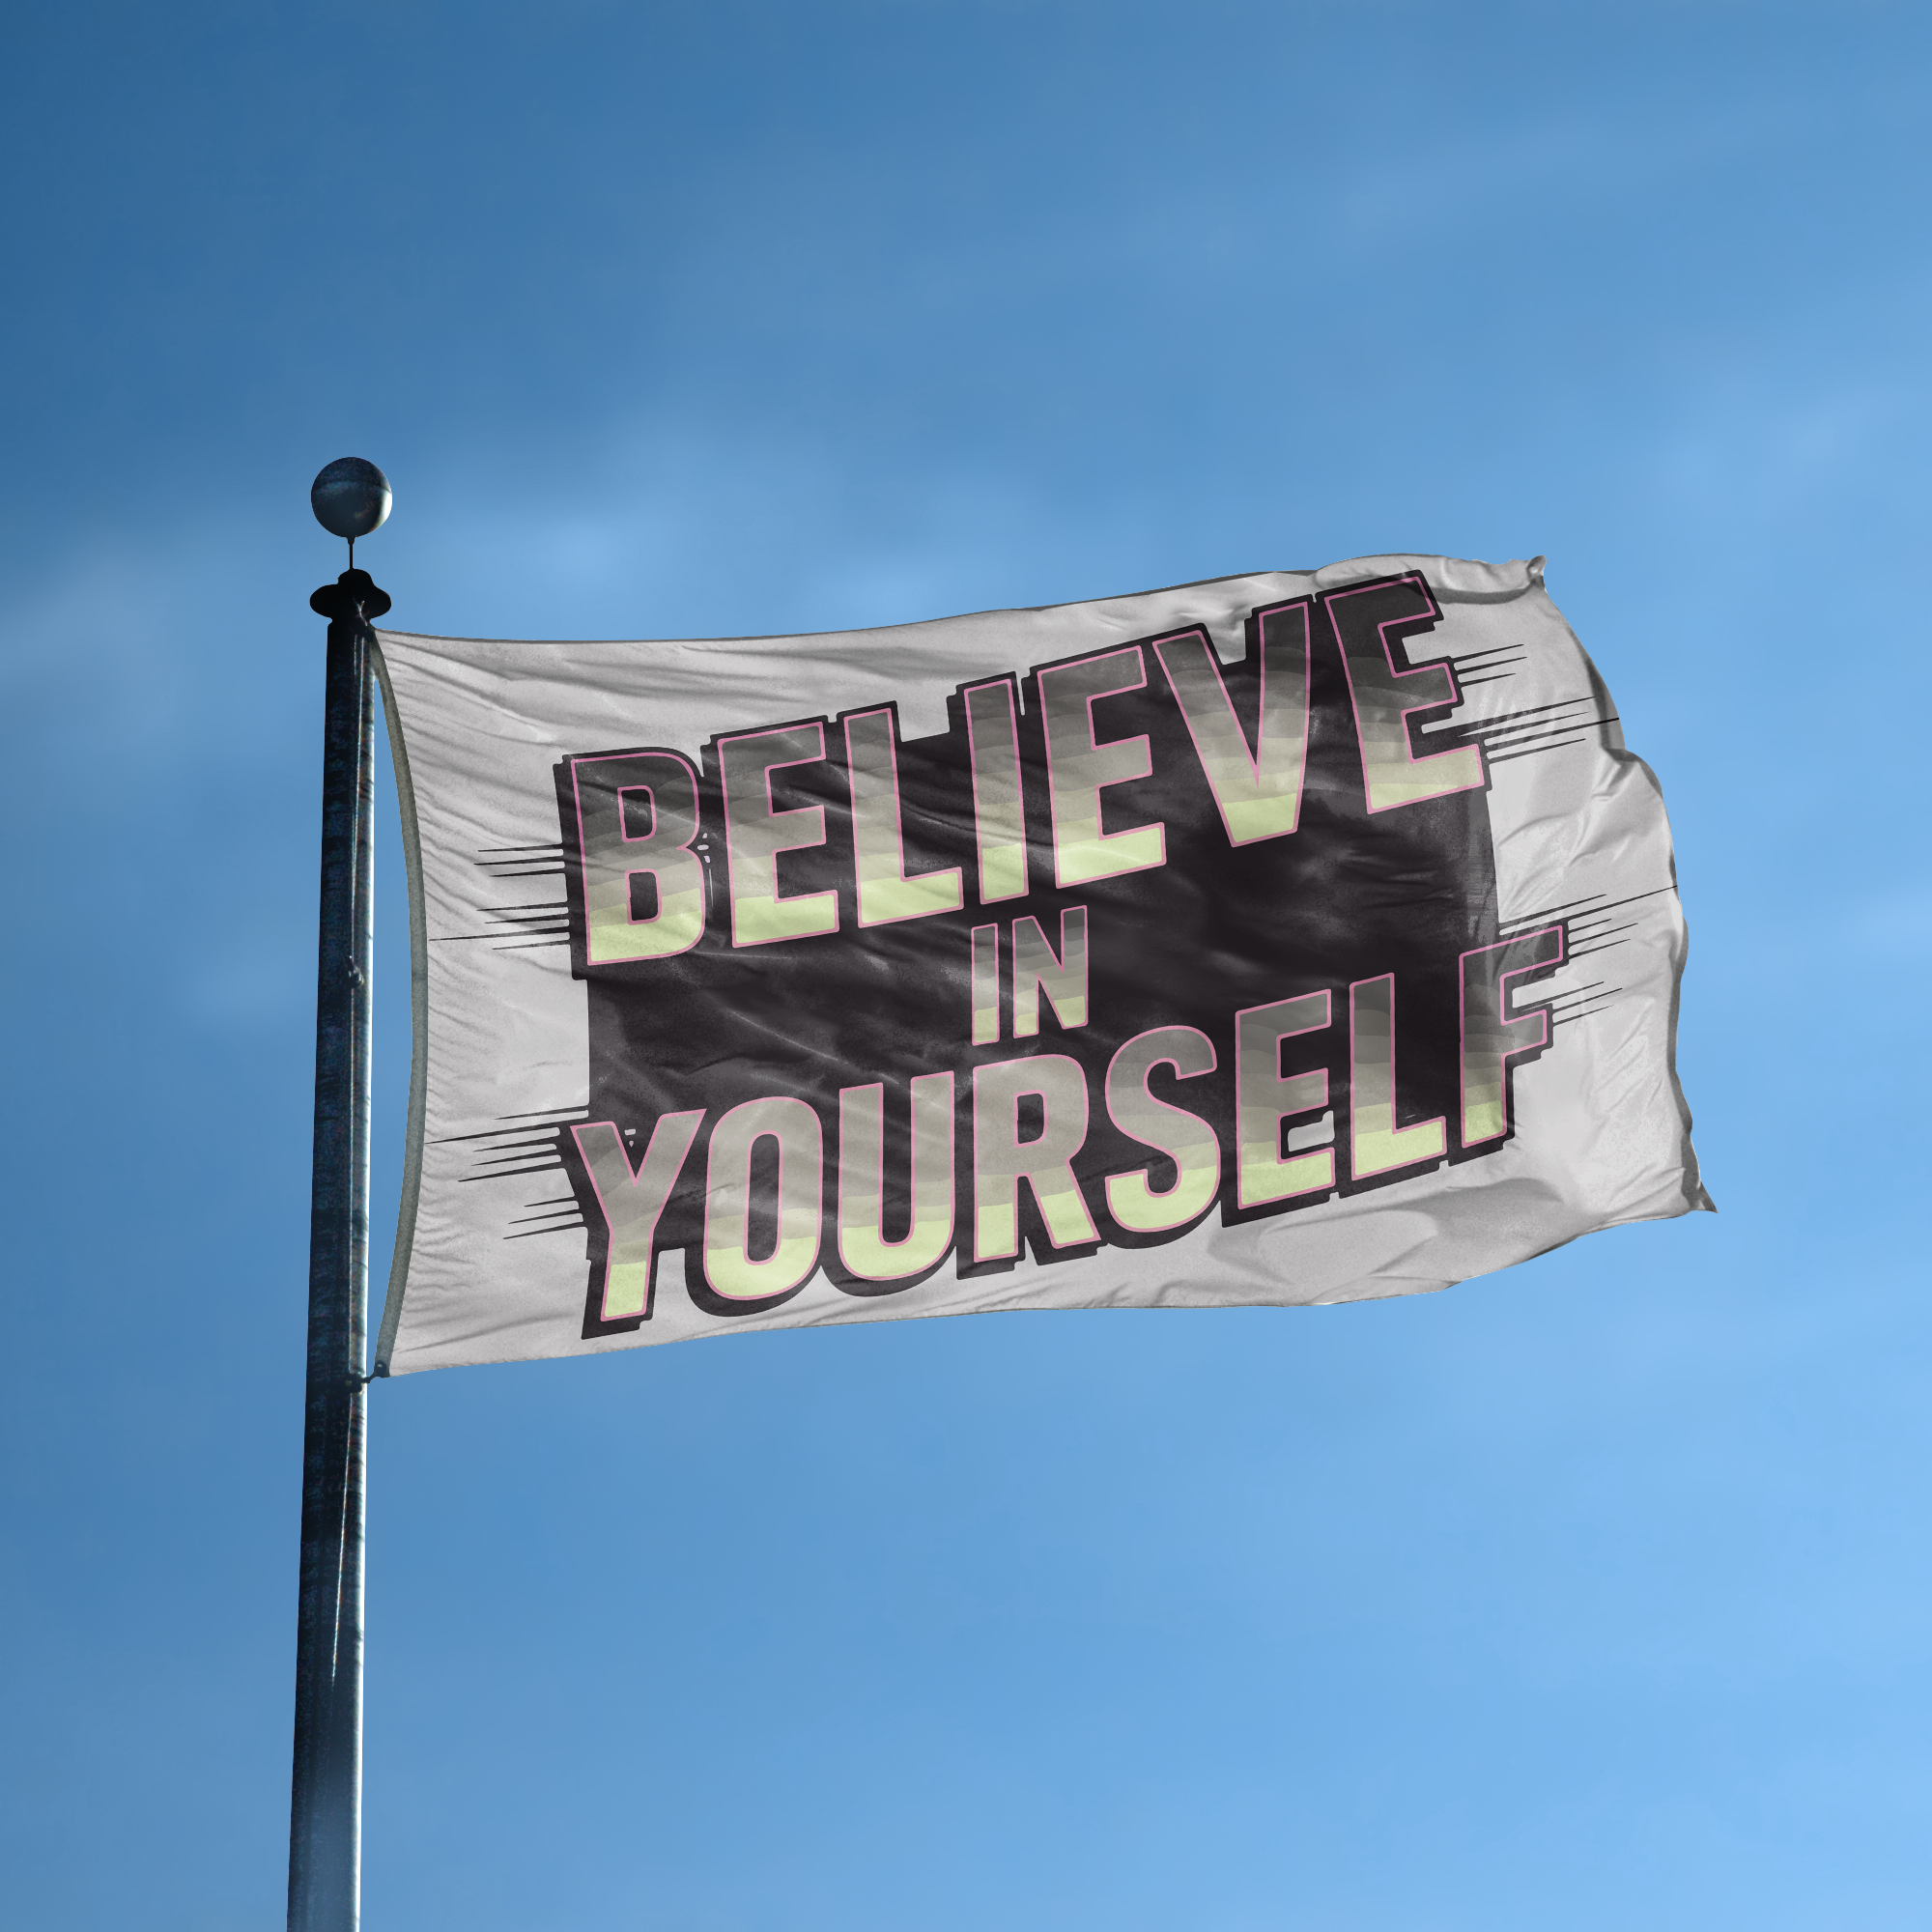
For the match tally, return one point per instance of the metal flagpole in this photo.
(350, 498)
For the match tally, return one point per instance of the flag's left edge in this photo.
(406, 1210)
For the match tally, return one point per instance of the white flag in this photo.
(1293, 938)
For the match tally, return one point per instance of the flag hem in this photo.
(405, 1207)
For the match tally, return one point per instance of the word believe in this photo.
(636, 815)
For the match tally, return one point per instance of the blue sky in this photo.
(1594, 1593)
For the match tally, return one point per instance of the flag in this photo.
(1294, 938)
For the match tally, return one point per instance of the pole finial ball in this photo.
(350, 498)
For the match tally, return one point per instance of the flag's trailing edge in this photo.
(1302, 937)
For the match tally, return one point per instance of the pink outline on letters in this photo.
(1325, 1104)
(697, 1120)
(972, 1008)
(771, 812)
(751, 1147)
(1095, 744)
(905, 1240)
(628, 838)
(905, 878)
(1394, 1089)
(1261, 615)
(1168, 1106)
(1454, 697)
(1503, 991)
(1026, 1175)
(1059, 959)
(1011, 686)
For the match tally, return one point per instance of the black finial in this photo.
(352, 597)
(350, 498)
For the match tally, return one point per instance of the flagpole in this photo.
(325, 1810)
